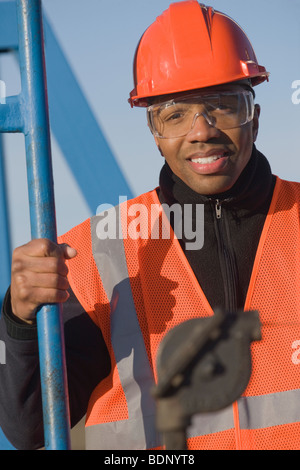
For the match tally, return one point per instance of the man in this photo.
(194, 70)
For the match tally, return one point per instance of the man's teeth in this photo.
(204, 160)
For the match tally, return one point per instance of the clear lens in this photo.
(225, 110)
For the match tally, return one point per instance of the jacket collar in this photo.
(248, 194)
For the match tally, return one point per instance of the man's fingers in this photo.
(27, 282)
(50, 281)
(42, 247)
(42, 296)
(40, 265)
(68, 251)
(39, 276)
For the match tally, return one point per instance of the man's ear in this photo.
(256, 121)
(158, 146)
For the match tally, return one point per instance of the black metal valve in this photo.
(203, 365)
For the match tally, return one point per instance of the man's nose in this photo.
(203, 129)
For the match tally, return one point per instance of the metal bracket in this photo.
(203, 365)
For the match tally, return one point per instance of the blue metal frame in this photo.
(42, 217)
(5, 247)
(28, 113)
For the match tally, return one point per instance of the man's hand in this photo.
(39, 276)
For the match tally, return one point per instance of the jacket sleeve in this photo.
(88, 362)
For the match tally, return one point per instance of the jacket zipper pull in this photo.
(218, 209)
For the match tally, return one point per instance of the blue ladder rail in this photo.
(77, 131)
(28, 113)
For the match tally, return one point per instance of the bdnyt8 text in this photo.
(173, 459)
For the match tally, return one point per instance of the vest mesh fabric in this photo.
(160, 299)
(272, 291)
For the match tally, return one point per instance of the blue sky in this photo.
(99, 39)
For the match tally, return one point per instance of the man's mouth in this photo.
(205, 159)
(209, 162)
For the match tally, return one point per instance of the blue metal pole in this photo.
(42, 216)
(5, 245)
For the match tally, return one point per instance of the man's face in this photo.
(188, 156)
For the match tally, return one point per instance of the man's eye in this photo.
(221, 108)
(224, 108)
(174, 116)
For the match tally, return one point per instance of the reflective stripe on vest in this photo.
(269, 410)
(254, 413)
(129, 348)
(265, 405)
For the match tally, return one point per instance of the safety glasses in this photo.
(223, 110)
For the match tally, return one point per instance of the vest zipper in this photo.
(230, 281)
(218, 208)
(226, 257)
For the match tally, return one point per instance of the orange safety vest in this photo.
(137, 288)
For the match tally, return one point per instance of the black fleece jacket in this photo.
(233, 222)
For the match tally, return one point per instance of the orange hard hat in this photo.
(192, 46)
